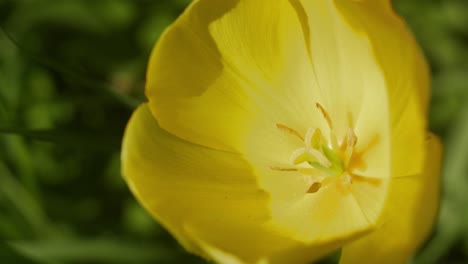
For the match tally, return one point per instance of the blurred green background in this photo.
(70, 74)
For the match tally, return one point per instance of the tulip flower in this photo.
(280, 131)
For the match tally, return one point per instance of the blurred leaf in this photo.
(455, 12)
(73, 13)
(25, 204)
(451, 83)
(138, 221)
(68, 77)
(9, 255)
(75, 75)
(114, 13)
(450, 94)
(17, 154)
(152, 29)
(97, 250)
(81, 139)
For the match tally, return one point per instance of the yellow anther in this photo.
(315, 187)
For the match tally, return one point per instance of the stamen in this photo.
(290, 131)
(283, 169)
(325, 115)
(315, 187)
(351, 138)
(311, 172)
(351, 141)
(323, 160)
(333, 140)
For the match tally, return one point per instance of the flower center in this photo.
(325, 161)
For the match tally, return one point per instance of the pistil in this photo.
(327, 160)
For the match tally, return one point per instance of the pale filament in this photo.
(283, 169)
(351, 141)
(326, 116)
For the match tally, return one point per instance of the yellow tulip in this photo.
(278, 131)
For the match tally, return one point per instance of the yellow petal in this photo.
(180, 183)
(226, 65)
(349, 82)
(227, 72)
(208, 199)
(352, 84)
(293, 253)
(407, 67)
(220, 256)
(407, 219)
(406, 74)
(333, 213)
